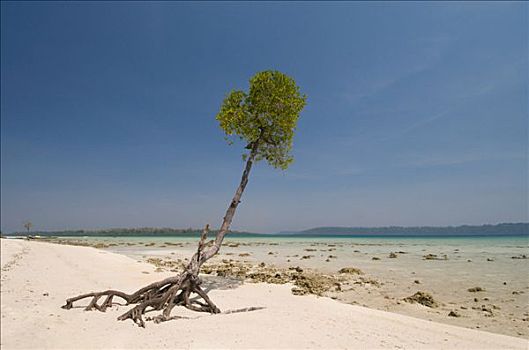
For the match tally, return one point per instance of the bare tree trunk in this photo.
(233, 205)
(201, 256)
(173, 291)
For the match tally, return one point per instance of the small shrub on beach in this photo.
(351, 271)
(315, 284)
(422, 298)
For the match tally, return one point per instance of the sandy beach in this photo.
(37, 277)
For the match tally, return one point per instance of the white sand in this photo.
(30, 319)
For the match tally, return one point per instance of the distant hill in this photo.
(464, 230)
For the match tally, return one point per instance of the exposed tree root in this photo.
(162, 295)
(246, 309)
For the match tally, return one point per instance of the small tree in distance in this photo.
(28, 225)
(264, 118)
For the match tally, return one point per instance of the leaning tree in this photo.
(264, 118)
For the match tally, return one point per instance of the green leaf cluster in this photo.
(267, 115)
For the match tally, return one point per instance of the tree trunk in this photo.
(173, 291)
(233, 205)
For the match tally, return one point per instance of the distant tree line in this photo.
(123, 232)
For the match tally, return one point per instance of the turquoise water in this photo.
(501, 245)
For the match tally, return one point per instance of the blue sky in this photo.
(417, 113)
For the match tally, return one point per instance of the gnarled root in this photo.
(165, 294)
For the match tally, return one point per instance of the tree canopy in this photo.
(265, 116)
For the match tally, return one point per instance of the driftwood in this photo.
(174, 291)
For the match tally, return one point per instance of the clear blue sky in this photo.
(417, 113)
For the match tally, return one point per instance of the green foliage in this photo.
(266, 115)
